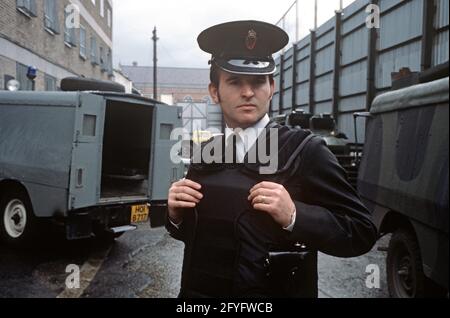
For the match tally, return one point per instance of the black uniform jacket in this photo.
(330, 216)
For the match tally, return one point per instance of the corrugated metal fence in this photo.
(343, 65)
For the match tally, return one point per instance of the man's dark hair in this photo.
(214, 75)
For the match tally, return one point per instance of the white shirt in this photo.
(245, 141)
(247, 137)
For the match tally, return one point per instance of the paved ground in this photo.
(145, 264)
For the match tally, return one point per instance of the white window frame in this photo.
(21, 75)
(109, 17)
(83, 42)
(109, 62)
(51, 17)
(27, 7)
(50, 79)
(102, 61)
(69, 34)
(94, 51)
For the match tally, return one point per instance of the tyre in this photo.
(18, 225)
(71, 84)
(404, 266)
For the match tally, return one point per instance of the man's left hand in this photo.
(273, 199)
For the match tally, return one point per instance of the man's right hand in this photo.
(183, 194)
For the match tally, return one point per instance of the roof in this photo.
(64, 99)
(427, 94)
(168, 76)
(39, 98)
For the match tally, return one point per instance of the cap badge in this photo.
(251, 40)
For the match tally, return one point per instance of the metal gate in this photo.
(201, 117)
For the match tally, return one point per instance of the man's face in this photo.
(244, 99)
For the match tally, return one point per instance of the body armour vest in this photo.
(230, 241)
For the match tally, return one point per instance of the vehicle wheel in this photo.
(404, 266)
(18, 224)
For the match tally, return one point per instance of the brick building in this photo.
(175, 84)
(45, 34)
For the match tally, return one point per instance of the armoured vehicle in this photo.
(403, 180)
(95, 162)
(324, 125)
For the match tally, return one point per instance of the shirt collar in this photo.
(251, 134)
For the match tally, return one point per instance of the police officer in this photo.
(249, 234)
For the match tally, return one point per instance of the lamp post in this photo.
(155, 62)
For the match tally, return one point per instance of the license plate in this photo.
(139, 213)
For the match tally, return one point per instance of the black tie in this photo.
(231, 149)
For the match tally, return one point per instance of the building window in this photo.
(69, 33)
(109, 66)
(83, 51)
(94, 56)
(102, 8)
(21, 76)
(109, 17)
(27, 7)
(50, 83)
(102, 59)
(51, 22)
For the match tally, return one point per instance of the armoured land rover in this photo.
(403, 180)
(96, 162)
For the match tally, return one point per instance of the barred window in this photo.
(21, 76)
(102, 59)
(51, 22)
(27, 7)
(69, 32)
(109, 17)
(94, 55)
(83, 51)
(109, 64)
(50, 83)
